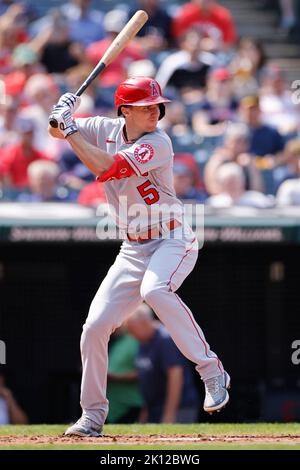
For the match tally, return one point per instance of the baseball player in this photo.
(133, 158)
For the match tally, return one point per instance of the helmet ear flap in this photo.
(120, 110)
(162, 110)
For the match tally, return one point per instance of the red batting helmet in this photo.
(140, 91)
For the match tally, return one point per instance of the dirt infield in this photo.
(149, 439)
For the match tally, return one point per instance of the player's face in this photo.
(143, 118)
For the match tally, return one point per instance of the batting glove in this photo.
(69, 100)
(63, 117)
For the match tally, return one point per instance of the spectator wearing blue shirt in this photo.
(264, 140)
(43, 184)
(185, 185)
(85, 25)
(156, 35)
(165, 376)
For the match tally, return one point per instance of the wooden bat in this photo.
(128, 32)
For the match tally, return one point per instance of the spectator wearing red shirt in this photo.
(12, 33)
(92, 194)
(114, 21)
(15, 160)
(206, 13)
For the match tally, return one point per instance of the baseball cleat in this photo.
(216, 393)
(84, 427)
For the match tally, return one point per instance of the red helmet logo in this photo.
(155, 88)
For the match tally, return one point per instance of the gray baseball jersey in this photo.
(151, 158)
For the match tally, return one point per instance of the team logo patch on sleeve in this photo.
(143, 153)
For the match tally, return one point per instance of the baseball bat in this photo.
(128, 32)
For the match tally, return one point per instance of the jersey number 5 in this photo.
(148, 193)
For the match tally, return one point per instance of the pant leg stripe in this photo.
(178, 266)
(198, 333)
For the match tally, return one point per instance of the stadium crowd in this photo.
(234, 119)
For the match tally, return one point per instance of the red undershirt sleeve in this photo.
(118, 170)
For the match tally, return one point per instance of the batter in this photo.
(134, 160)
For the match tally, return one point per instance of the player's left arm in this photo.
(143, 156)
(97, 160)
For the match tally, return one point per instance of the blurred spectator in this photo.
(141, 68)
(114, 21)
(232, 182)
(12, 33)
(217, 107)
(288, 14)
(92, 194)
(184, 183)
(276, 104)
(156, 35)
(188, 181)
(123, 392)
(29, 12)
(289, 164)
(74, 173)
(265, 141)
(56, 49)
(8, 114)
(186, 70)
(246, 66)
(293, 32)
(85, 24)
(289, 193)
(25, 64)
(205, 12)
(14, 161)
(10, 410)
(188, 159)
(41, 93)
(236, 149)
(165, 376)
(175, 122)
(5, 4)
(43, 184)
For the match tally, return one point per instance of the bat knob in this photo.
(53, 123)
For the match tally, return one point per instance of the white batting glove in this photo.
(69, 100)
(65, 123)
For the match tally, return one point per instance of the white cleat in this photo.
(216, 393)
(84, 427)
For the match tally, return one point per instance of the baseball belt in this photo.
(153, 232)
